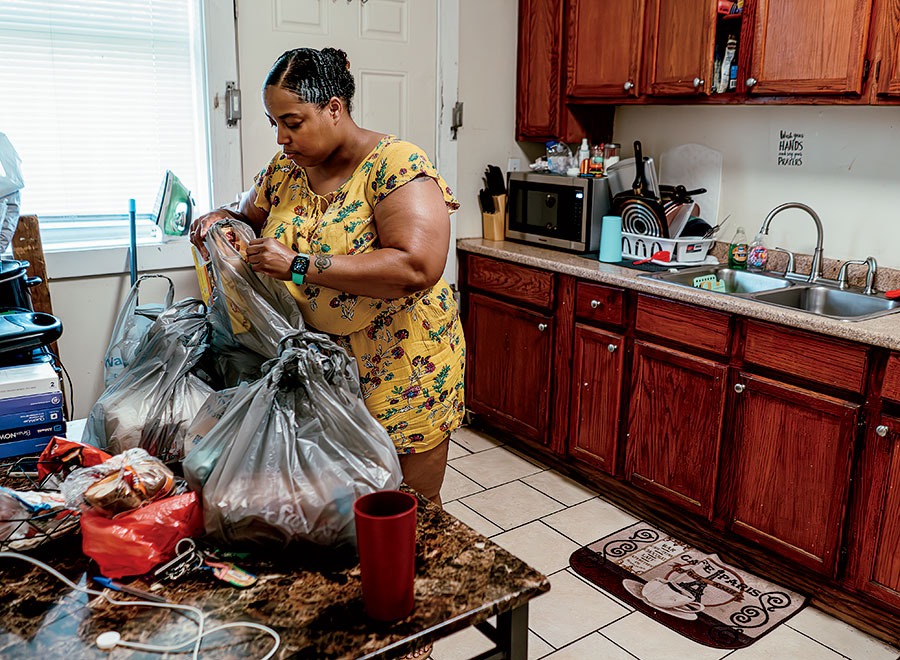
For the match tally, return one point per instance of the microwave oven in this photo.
(557, 211)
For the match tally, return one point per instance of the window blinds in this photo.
(99, 98)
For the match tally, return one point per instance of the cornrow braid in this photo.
(314, 75)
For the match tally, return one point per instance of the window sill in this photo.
(97, 261)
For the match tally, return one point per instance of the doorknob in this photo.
(542, 326)
(628, 86)
(595, 304)
(751, 82)
(698, 82)
(881, 430)
(739, 387)
(611, 348)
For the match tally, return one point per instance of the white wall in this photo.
(850, 174)
(87, 308)
(487, 88)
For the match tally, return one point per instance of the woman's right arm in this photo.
(244, 210)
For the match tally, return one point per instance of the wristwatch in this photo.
(299, 266)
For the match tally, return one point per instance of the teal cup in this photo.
(611, 239)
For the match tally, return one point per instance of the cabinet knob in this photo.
(542, 326)
(751, 82)
(881, 430)
(698, 82)
(611, 348)
(739, 387)
(628, 85)
(595, 304)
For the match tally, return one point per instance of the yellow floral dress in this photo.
(410, 351)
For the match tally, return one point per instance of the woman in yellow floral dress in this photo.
(366, 216)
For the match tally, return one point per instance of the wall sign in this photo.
(790, 149)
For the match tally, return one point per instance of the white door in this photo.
(392, 46)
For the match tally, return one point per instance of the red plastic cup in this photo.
(386, 538)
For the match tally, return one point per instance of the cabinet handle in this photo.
(611, 348)
(628, 85)
(595, 304)
(881, 430)
(751, 82)
(739, 387)
(542, 326)
(698, 82)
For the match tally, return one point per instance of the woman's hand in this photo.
(268, 256)
(201, 225)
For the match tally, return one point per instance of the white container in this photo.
(682, 250)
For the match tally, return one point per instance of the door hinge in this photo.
(877, 70)
(456, 119)
(232, 103)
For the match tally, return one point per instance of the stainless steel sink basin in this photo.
(736, 281)
(827, 301)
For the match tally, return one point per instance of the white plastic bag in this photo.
(131, 328)
(10, 184)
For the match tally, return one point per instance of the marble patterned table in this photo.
(311, 598)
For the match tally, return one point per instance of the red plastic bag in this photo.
(135, 542)
(63, 456)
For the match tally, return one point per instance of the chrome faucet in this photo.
(872, 268)
(815, 271)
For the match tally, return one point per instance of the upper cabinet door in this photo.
(604, 48)
(888, 66)
(680, 37)
(538, 87)
(803, 47)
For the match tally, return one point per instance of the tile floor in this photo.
(542, 517)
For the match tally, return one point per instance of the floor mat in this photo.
(692, 592)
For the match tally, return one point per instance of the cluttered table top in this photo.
(883, 331)
(311, 598)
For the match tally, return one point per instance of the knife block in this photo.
(493, 225)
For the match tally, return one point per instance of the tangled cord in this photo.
(112, 639)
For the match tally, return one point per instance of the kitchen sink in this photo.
(736, 281)
(828, 301)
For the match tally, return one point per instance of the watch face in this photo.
(300, 264)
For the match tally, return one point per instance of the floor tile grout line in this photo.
(545, 642)
(817, 641)
(614, 642)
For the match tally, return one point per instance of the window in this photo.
(100, 98)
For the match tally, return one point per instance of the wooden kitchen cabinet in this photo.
(791, 454)
(675, 426)
(875, 564)
(808, 48)
(887, 65)
(508, 366)
(596, 397)
(679, 51)
(538, 86)
(603, 55)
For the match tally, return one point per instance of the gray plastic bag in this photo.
(131, 328)
(154, 399)
(291, 452)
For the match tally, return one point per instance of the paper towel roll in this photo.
(611, 239)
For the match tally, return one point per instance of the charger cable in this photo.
(111, 639)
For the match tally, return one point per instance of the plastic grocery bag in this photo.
(10, 184)
(154, 399)
(292, 452)
(131, 328)
(250, 312)
(135, 542)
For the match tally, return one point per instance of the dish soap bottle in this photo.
(758, 253)
(737, 251)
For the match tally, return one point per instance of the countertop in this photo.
(312, 599)
(883, 331)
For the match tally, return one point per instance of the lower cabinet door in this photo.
(875, 561)
(596, 397)
(790, 469)
(675, 426)
(508, 366)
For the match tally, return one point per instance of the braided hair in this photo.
(315, 76)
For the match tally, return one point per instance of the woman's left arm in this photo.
(413, 228)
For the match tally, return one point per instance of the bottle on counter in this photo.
(737, 250)
(610, 154)
(584, 152)
(758, 253)
(596, 165)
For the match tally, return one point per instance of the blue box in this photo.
(24, 447)
(30, 402)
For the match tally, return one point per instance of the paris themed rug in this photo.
(694, 593)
